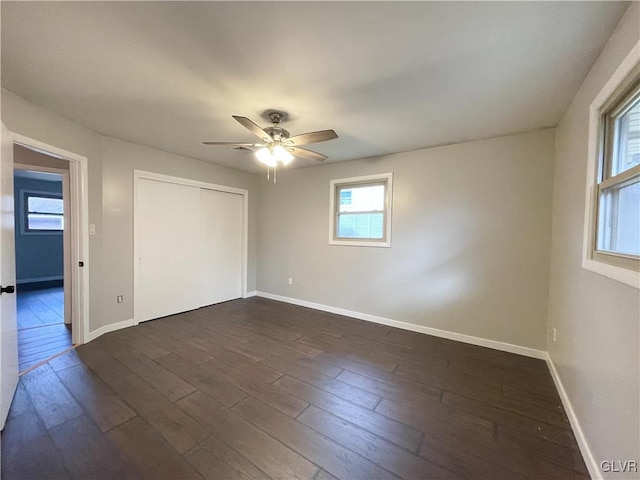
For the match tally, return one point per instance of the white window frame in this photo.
(611, 265)
(383, 178)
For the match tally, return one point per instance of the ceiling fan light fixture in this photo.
(264, 155)
(270, 156)
(282, 155)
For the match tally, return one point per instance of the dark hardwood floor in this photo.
(260, 389)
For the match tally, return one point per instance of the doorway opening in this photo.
(43, 244)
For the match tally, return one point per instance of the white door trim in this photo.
(79, 229)
(141, 174)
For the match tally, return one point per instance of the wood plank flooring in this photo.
(257, 389)
(41, 329)
(40, 343)
(37, 308)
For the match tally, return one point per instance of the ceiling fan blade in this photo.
(253, 128)
(235, 144)
(303, 152)
(311, 137)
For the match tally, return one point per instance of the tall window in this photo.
(43, 212)
(618, 225)
(614, 233)
(361, 211)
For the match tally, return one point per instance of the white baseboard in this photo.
(251, 294)
(108, 328)
(592, 465)
(459, 337)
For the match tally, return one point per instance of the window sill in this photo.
(51, 233)
(622, 275)
(356, 243)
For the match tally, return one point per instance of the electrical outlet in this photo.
(119, 299)
(554, 334)
(290, 281)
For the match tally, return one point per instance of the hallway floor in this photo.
(41, 329)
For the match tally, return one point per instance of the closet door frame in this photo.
(141, 174)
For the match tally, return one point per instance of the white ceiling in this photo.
(387, 76)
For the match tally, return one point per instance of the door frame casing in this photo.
(142, 174)
(79, 229)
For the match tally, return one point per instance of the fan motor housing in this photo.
(277, 133)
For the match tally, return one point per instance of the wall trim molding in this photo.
(111, 327)
(252, 293)
(587, 455)
(459, 337)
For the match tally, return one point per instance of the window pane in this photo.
(345, 197)
(361, 225)
(45, 222)
(628, 131)
(362, 199)
(619, 219)
(45, 205)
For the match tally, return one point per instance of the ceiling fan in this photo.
(278, 146)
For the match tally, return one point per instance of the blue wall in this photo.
(37, 256)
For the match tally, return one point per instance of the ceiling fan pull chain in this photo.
(268, 173)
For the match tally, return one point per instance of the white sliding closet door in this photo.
(222, 218)
(168, 246)
(189, 244)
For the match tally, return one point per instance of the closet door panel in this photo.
(221, 261)
(170, 244)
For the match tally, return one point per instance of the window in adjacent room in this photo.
(361, 211)
(613, 244)
(43, 212)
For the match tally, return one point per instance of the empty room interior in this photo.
(320, 240)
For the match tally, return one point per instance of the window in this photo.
(612, 217)
(43, 212)
(618, 222)
(361, 211)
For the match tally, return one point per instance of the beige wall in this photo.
(111, 163)
(470, 239)
(597, 319)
